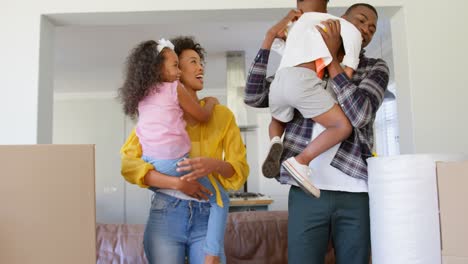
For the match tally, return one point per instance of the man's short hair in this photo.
(371, 7)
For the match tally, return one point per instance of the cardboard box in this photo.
(47, 204)
(452, 183)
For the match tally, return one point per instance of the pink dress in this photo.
(161, 127)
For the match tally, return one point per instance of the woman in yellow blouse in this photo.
(178, 219)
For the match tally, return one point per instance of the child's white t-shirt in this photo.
(305, 43)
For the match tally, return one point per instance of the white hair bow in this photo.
(164, 43)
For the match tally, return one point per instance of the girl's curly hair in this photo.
(142, 72)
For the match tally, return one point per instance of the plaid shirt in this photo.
(360, 98)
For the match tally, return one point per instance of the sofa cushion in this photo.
(251, 237)
(120, 243)
(257, 237)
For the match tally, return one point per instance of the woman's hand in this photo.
(162, 181)
(279, 29)
(194, 189)
(197, 167)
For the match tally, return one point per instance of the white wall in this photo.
(46, 71)
(436, 33)
(96, 120)
(19, 50)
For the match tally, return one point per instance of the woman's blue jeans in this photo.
(177, 228)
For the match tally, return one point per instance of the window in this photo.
(386, 125)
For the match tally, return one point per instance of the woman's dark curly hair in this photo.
(182, 43)
(142, 73)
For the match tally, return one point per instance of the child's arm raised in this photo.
(192, 107)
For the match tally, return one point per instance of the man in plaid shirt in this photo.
(341, 172)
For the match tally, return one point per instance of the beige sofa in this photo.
(251, 237)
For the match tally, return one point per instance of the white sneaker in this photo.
(301, 174)
(271, 165)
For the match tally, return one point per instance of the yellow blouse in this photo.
(218, 138)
